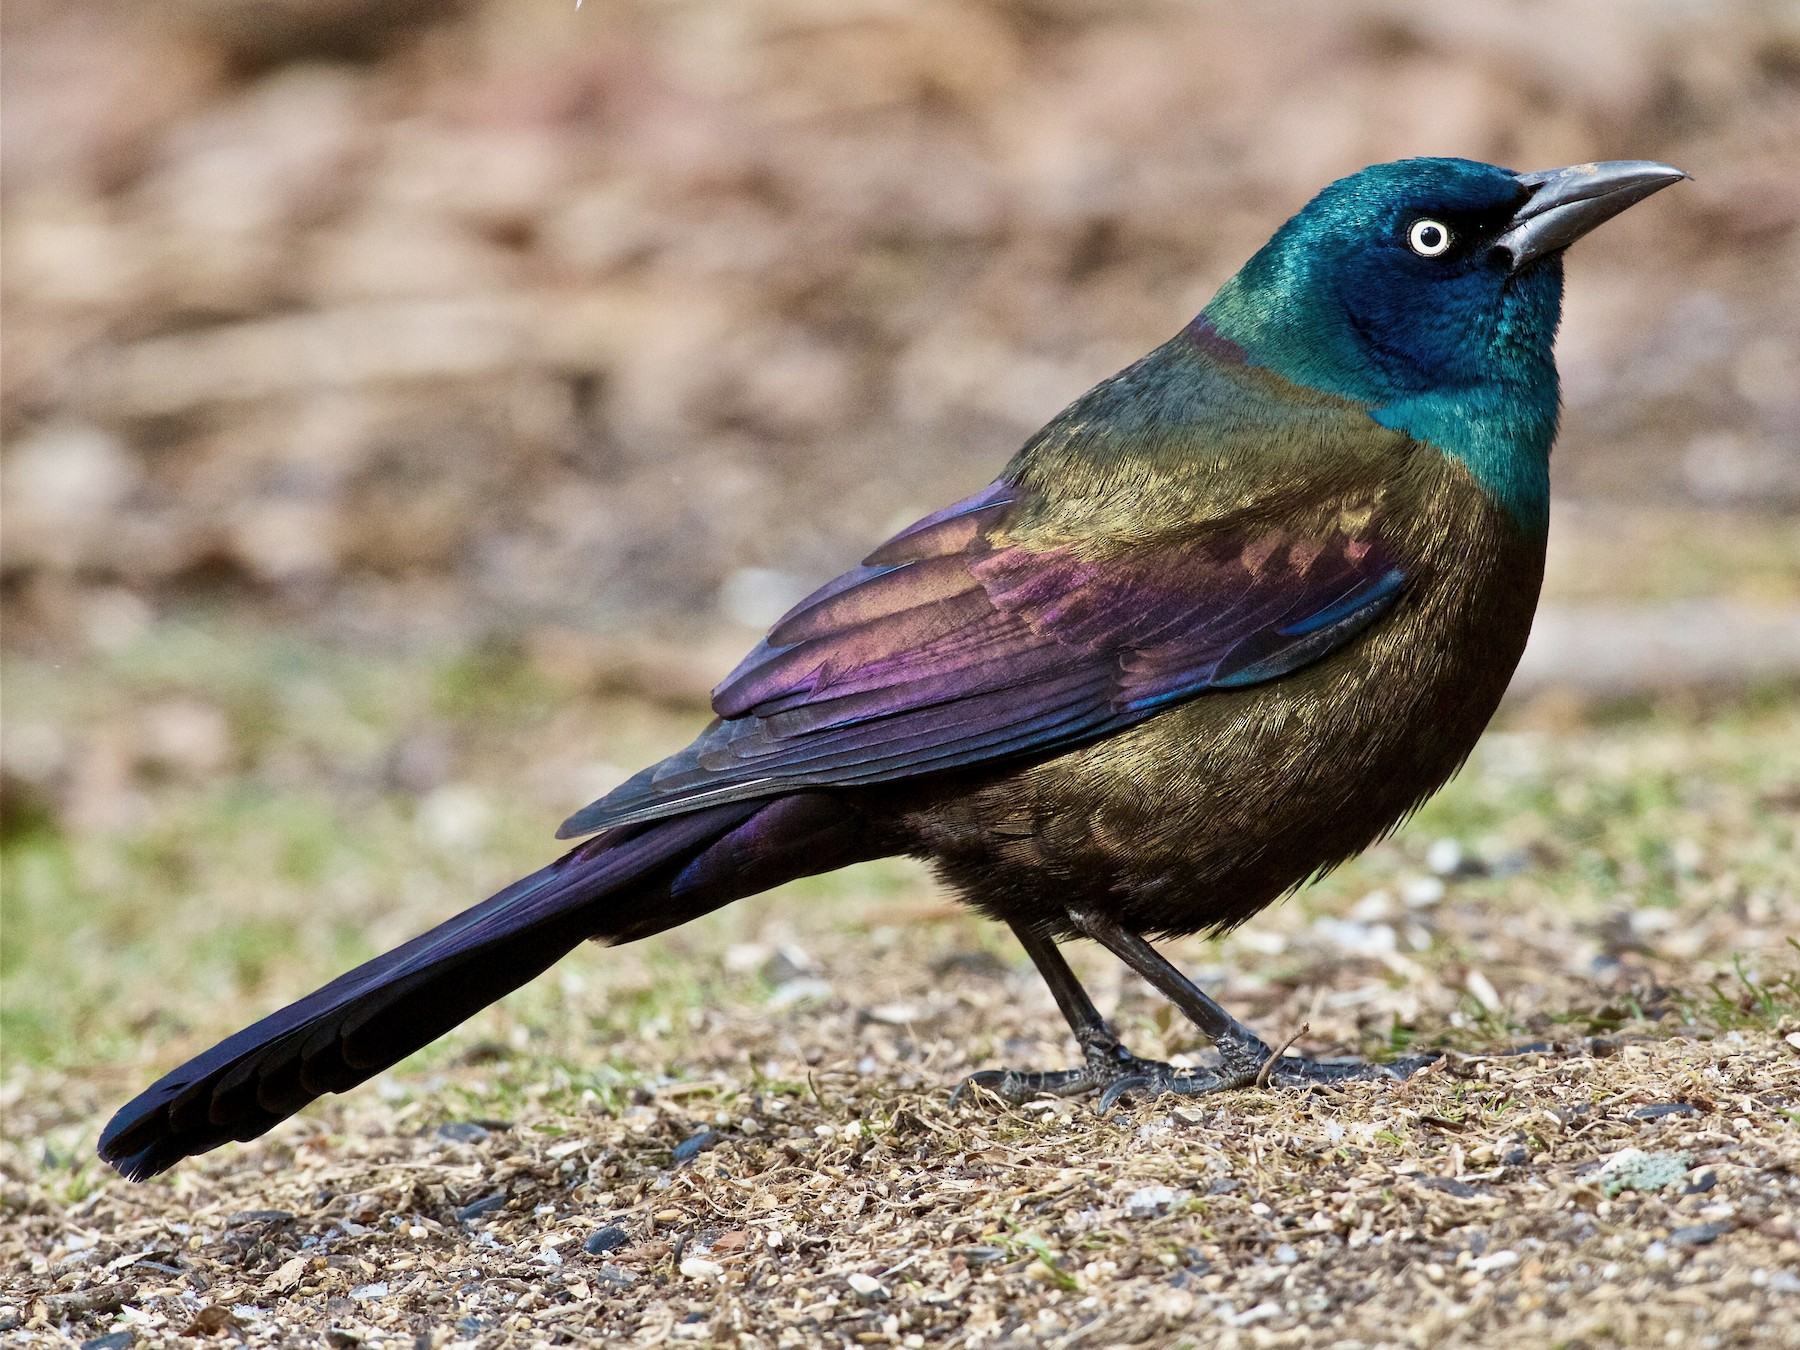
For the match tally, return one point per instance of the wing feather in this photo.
(964, 640)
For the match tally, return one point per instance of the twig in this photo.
(1268, 1065)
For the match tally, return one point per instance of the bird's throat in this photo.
(1499, 426)
(1503, 440)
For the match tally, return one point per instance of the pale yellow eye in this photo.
(1428, 238)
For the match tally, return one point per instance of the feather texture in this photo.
(625, 886)
(960, 643)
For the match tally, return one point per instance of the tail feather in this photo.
(620, 887)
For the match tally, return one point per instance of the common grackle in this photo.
(1218, 627)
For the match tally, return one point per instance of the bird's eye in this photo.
(1428, 238)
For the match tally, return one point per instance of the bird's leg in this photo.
(1106, 1061)
(1113, 1071)
(1241, 1050)
(1243, 1055)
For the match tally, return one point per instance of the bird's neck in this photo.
(1503, 440)
(1499, 426)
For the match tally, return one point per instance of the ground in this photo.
(741, 1133)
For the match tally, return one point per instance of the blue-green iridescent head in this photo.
(1431, 289)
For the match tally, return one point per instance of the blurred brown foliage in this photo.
(508, 310)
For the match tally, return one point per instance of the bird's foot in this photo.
(1114, 1072)
(1276, 1070)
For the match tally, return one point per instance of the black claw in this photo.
(987, 1078)
(1137, 1082)
(1003, 1083)
(1173, 1082)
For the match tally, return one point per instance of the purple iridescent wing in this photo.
(956, 643)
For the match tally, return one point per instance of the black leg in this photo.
(1083, 1017)
(1244, 1057)
(1108, 1066)
(1240, 1049)
(1114, 1072)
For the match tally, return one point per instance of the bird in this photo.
(1217, 628)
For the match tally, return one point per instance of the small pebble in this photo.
(789, 962)
(982, 1256)
(693, 1146)
(1510, 863)
(1422, 892)
(1450, 1186)
(1483, 991)
(867, 1287)
(247, 1216)
(475, 1209)
(118, 1340)
(1632, 1169)
(698, 1268)
(1444, 857)
(1151, 1201)
(463, 1132)
(1262, 1312)
(1657, 1110)
(1700, 1234)
(608, 1239)
(805, 989)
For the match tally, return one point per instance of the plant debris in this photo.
(667, 1152)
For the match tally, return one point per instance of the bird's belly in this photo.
(1204, 814)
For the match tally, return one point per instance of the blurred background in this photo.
(411, 407)
(441, 320)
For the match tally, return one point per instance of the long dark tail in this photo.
(622, 886)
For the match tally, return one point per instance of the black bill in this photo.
(1566, 203)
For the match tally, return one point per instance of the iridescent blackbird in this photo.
(1218, 627)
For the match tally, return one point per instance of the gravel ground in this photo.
(1494, 1201)
(741, 1134)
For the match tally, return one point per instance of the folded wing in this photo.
(963, 641)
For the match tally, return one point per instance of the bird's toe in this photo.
(1017, 1085)
(1296, 1072)
(1167, 1080)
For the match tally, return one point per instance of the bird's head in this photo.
(1431, 289)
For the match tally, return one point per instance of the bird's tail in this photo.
(625, 885)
